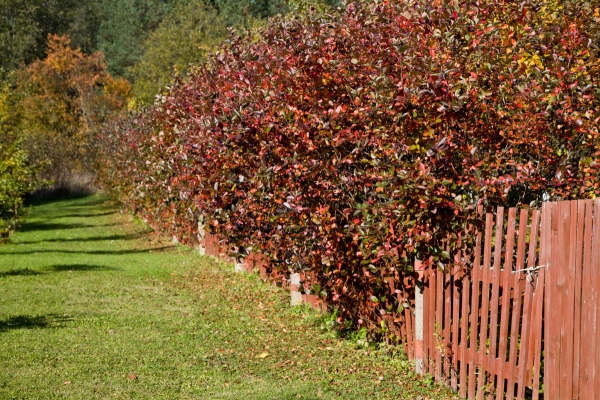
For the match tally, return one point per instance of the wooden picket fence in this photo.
(482, 326)
(525, 311)
(572, 301)
(519, 319)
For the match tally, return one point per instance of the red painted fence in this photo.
(572, 302)
(521, 321)
(483, 326)
(526, 310)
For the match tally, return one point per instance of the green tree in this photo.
(18, 32)
(64, 99)
(125, 27)
(190, 31)
(16, 179)
(16, 174)
(25, 25)
(240, 13)
(10, 112)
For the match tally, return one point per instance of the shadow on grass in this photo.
(80, 199)
(34, 322)
(57, 268)
(102, 201)
(20, 272)
(45, 226)
(83, 215)
(92, 252)
(81, 267)
(88, 239)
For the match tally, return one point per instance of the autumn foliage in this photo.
(345, 146)
(62, 100)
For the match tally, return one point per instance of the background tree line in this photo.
(67, 67)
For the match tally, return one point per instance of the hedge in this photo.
(344, 146)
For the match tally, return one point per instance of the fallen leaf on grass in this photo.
(132, 377)
(263, 355)
(67, 383)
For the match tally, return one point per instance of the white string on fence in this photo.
(530, 271)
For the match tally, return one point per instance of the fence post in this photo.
(201, 236)
(419, 288)
(238, 266)
(296, 296)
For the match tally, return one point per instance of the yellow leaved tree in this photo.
(63, 100)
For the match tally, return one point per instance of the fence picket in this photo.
(568, 250)
(409, 319)
(513, 279)
(425, 317)
(495, 297)
(464, 334)
(550, 340)
(587, 310)
(485, 295)
(431, 320)
(539, 295)
(528, 323)
(474, 315)
(439, 315)
(446, 321)
(494, 302)
(455, 321)
(595, 301)
(578, 255)
(208, 244)
(506, 296)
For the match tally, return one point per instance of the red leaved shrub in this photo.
(344, 146)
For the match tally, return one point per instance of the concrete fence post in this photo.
(296, 296)
(201, 236)
(238, 266)
(419, 289)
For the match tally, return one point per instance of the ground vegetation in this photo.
(95, 305)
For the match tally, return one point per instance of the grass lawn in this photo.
(92, 305)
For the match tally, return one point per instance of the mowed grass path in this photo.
(94, 306)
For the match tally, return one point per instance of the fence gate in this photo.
(572, 302)
(526, 310)
(482, 329)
